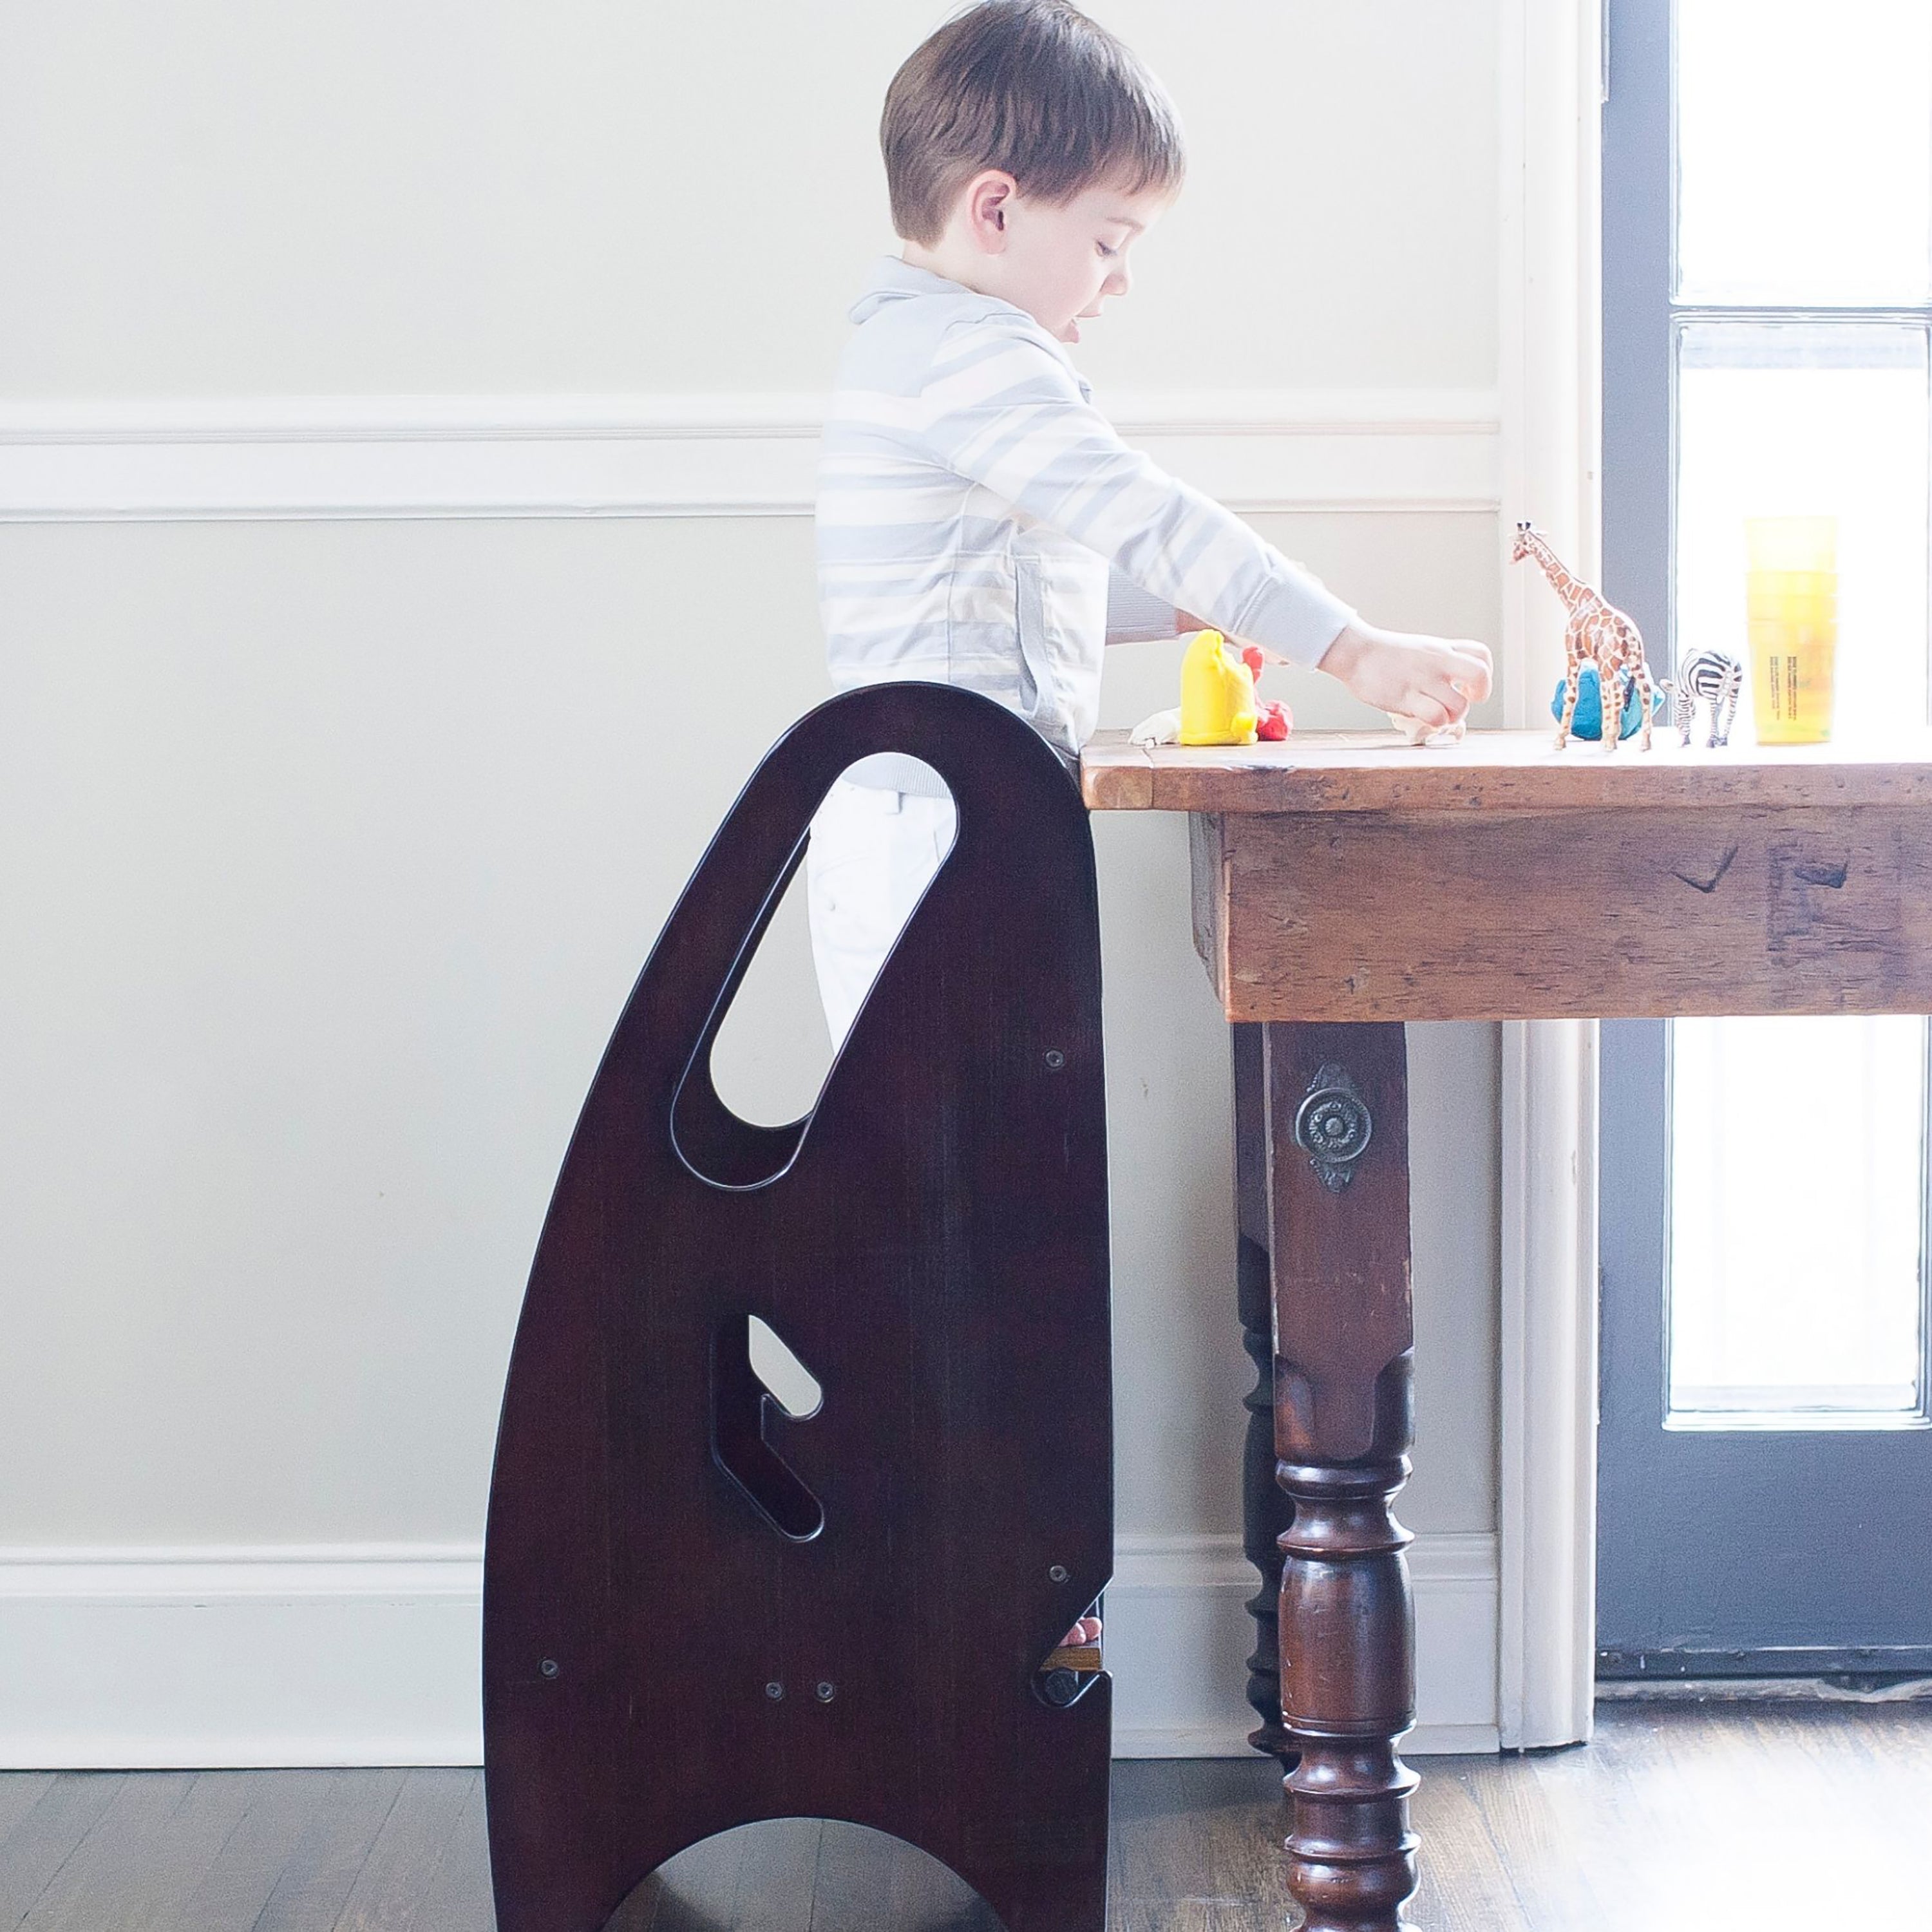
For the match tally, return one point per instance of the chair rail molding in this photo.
(1553, 78)
(221, 459)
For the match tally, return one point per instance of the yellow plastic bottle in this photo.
(1217, 694)
(1791, 610)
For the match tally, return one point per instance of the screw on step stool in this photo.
(548, 1666)
(775, 1690)
(1060, 1687)
(1058, 1573)
(826, 1692)
(1055, 1060)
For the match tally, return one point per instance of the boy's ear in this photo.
(988, 197)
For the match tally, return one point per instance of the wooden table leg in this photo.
(1265, 1508)
(1343, 1421)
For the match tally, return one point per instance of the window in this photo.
(1801, 278)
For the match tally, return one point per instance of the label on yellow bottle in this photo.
(1791, 683)
(1791, 610)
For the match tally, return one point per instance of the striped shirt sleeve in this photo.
(1006, 411)
(1135, 616)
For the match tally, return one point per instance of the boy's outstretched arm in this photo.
(1005, 410)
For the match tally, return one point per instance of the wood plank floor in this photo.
(1677, 1818)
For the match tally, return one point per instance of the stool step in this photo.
(1073, 1656)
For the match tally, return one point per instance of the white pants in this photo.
(872, 853)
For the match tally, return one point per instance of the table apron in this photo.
(1578, 914)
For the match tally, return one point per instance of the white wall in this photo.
(329, 846)
(210, 198)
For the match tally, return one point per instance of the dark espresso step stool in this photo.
(700, 1611)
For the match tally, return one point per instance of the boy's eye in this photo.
(1105, 250)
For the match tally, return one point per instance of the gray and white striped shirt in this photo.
(979, 522)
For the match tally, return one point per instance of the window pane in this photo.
(1797, 1162)
(1804, 150)
(1796, 1158)
(1779, 419)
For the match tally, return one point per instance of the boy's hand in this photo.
(1434, 679)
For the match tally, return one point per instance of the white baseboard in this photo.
(322, 1655)
(369, 1655)
(74, 460)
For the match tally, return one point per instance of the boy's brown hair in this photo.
(1034, 88)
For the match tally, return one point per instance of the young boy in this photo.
(979, 522)
(978, 518)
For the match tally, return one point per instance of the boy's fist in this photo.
(1434, 679)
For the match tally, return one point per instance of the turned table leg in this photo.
(1265, 1508)
(1337, 1113)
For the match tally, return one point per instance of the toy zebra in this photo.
(1715, 678)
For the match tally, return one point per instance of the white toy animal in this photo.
(1713, 678)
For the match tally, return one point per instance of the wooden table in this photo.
(1346, 883)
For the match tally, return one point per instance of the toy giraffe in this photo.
(1597, 633)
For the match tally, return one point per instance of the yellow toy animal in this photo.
(1218, 705)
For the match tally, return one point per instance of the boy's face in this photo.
(1057, 261)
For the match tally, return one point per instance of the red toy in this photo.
(1276, 720)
